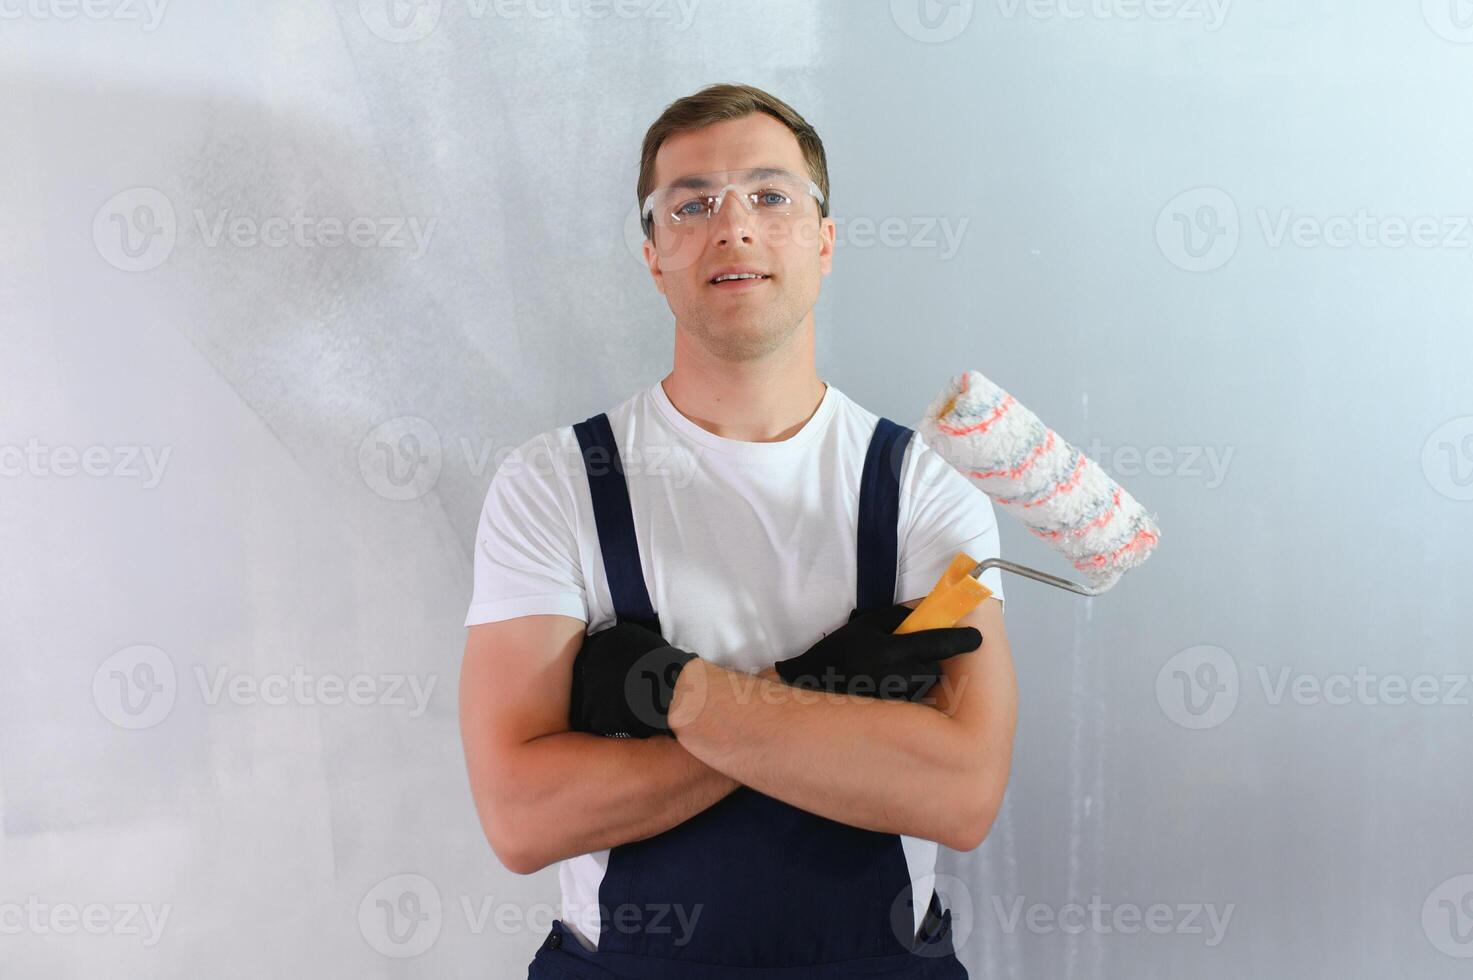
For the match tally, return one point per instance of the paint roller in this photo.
(1061, 495)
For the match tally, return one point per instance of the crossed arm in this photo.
(936, 771)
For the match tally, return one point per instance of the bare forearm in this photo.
(890, 766)
(573, 793)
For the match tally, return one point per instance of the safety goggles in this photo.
(689, 202)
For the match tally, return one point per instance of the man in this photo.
(710, 569)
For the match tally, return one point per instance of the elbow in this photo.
(968, 835)
(519, 861)
(509, 847)
(508, 826)
(512, 845)
(973, 821)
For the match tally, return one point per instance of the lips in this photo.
(739, 285)
(736, 270)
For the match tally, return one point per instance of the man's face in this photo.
(742, 321)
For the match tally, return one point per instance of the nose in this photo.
(731, 220)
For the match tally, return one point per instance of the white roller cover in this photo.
(1060, 494)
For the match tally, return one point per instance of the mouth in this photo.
(737, 282)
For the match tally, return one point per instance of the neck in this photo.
(763, 400)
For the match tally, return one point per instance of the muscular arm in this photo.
(936, 772)
(544, 793)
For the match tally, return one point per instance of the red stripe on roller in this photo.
(997, 413)
(1142, 537)
(1022, 467)
(1064, 487)
(1098, 522)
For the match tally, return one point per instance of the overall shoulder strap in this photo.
(615, 519)
(879, 514)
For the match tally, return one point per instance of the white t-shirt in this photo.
(748, 549)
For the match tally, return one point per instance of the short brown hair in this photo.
(718, 103)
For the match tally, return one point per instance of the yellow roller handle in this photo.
(954, 595)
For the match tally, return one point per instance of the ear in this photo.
(652, 260)
(827, 229)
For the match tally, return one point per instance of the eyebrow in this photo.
(697, 181)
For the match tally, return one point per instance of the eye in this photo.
(772, 199)
(690, 209)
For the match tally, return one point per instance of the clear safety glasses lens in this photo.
(693, 199)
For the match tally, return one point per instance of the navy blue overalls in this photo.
(766, 889)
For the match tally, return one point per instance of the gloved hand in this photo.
(623, 680)
(865, 656)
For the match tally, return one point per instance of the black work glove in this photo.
(866, 656)
(623, 680)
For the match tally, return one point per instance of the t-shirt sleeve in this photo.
(526, 551)
(942, 513)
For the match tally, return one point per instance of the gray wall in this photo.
(1225, 249)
